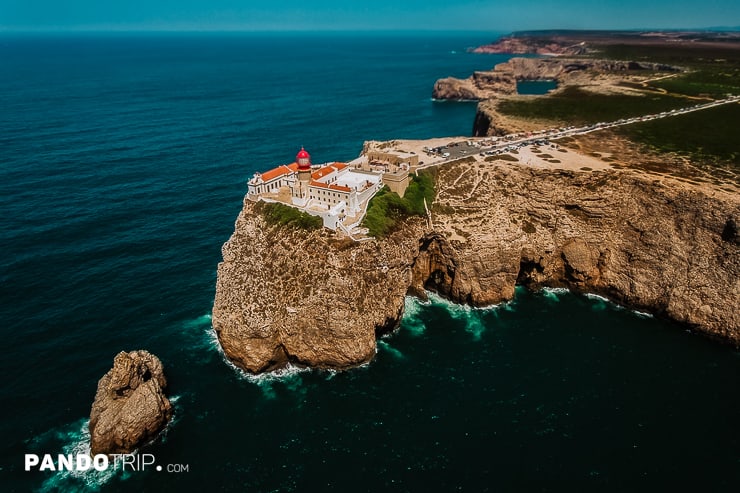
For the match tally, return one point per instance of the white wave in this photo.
(547, 289)
(553, 293)
(412, 309)
(642, 314)
(289, 375)
(438, 300)
(468, 315)
(593, 296)
(214, 344)
(212, 341)
(202, 321)
(76, 439)
(604, 301)
(390, 349)
(177, 413)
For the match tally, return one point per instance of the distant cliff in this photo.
(286, 295)
(501, 81)
(521, 45)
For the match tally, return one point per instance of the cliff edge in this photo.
(287, 295)
(316, 299)
(501, 81)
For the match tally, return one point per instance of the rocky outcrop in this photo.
(571, 43)
(309, 298)
(314, 299)
(501, 81)
(130, 406)
(521, 45)
(480, 85)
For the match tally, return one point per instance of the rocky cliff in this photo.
(314, 299)
(310, 298)
(130, 406)
(520, 45)
(501, 81)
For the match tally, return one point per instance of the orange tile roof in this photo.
(279, 171)
(328, 169)
(340, 188)
(317, 175)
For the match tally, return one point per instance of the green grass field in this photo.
(706, 135)
(712, 71)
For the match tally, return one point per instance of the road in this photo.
(514, 141)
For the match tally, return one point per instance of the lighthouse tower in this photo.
(303, 159)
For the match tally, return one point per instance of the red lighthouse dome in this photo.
(303, 159)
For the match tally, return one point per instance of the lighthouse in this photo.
(303, 159)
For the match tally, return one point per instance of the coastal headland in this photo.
(541, 209)
(316, 298)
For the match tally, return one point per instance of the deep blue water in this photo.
(123, 163)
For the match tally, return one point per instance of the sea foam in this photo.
(553, 294)
(390, 349)
(412, 310)
(469, 316)
(75, 439)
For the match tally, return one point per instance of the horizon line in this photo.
(243, 30)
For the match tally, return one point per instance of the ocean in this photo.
(123, 164)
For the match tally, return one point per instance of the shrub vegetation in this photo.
(284, 215)
(705, 135)
(387, 208)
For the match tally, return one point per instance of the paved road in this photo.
(515, 141)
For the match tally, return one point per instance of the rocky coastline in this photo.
(647, 241)
(501, 81)
(319, 300)
(523, 45)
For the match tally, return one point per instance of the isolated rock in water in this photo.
(130, 407)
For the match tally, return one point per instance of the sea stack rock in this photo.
(130, 406)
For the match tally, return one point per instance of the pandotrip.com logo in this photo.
(100, 462)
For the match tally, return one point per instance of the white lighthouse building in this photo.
(333, 191)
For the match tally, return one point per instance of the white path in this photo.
(517, 140)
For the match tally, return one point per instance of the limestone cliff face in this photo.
(552, 45)
(310, 298)
(501, 81)
(490, 122)
(658, 246)
(286, 295)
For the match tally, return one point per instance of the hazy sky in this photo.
(486, 15)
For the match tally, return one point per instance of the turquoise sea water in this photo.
(123, 163)
(535, 87)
